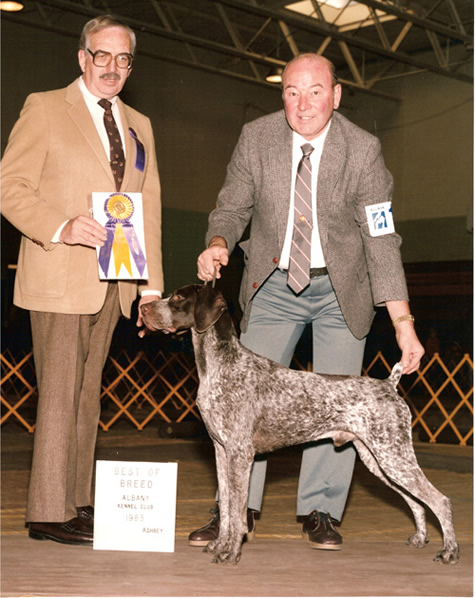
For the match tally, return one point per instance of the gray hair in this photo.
(103, 22)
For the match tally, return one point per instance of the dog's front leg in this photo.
(223, 499)
(239, 474)
(228, 547)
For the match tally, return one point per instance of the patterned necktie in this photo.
(117, 159)
(299, 265)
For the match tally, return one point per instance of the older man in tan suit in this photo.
(58, 154)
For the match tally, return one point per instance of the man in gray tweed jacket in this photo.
(354, 263)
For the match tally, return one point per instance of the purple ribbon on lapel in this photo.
(140, 160)
(119, 209)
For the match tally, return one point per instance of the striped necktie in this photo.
(299, 265)
(117, 158)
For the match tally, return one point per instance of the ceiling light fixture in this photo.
(345, 15)
(275, 75)
(339, 3)
(11, 6)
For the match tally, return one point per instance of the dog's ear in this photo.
(209, 306)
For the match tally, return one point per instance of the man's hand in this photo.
(211, 259)
(406, 337)
(83, 231)
(140, 322)
(411, 348)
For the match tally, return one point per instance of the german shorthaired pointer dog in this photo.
(251, 405)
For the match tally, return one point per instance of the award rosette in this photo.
(121, 215)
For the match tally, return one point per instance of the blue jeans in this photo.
(277, 320)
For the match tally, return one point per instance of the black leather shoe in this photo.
(319, 529)
(73, 531)
(210, 531)
(86, 515)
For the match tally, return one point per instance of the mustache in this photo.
(111, 75)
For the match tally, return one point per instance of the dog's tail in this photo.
(396, 374)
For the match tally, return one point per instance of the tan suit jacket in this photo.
(365, 271)
(53, 163)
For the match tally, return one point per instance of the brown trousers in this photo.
(70, 352)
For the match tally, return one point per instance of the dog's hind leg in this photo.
(420, 538)
(406, 477)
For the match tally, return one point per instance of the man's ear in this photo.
(336, 96)
(82, 59)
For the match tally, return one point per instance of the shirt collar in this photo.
(90, 96)
(316, 143)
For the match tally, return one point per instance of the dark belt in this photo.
(316, 272)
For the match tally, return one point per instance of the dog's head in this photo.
(193, 306)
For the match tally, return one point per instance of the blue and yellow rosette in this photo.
(121, 239)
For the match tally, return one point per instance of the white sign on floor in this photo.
(135, 506)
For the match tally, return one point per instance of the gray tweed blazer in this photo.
(365, 271)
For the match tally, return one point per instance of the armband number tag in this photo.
(380, 219)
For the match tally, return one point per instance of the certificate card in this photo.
(123, 255)
(135, 506)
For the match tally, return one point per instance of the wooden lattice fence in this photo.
(143, 389)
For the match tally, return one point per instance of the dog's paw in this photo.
(226, 558)
(448, 556)
(224, 553)
(211, 546)
(417, 540)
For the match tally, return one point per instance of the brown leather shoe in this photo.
(86, 515)
(73, 531)
(210, 531)
(319, 529)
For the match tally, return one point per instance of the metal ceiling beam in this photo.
(420, 21)
(455, 16)
(234, 35)
(312, 25)
(142, 27)
(208, 68)
(204, 53)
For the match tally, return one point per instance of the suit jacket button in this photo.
(254, 285)
(275, 260)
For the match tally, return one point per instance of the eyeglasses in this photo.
(101, 58)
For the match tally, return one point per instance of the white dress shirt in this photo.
(317, 259)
